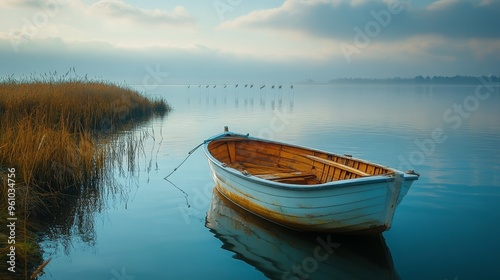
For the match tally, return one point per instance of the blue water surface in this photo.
(447, 227)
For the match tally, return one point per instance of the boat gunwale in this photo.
(328, 185)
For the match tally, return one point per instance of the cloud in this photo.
(337, 19)
(459, 19)
(292, 41)
(118, 9)
(22, 3)
(197, 64)
(111, 21)
(425, 55)
(442, 4)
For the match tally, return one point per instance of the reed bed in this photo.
(53, 132)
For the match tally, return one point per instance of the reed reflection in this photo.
(72, 215)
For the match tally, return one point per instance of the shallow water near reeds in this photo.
(445, 228)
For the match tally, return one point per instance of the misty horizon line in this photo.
(71, 75)
(419, 79)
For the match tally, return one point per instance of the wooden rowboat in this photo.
(306, 189)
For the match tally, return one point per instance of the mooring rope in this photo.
(226, 133)
(175, 169)
(185, 193)
(189, 154)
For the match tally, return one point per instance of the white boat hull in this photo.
(354, 206)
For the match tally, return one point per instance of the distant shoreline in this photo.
(418, 80)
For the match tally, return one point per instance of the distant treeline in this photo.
(435, 80)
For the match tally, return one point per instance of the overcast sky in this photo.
(222, 41)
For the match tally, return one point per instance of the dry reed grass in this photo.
(49, 133)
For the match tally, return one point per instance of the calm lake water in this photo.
(447, 227)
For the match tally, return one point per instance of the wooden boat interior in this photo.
(289, 164)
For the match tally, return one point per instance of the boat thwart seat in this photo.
(338, 165)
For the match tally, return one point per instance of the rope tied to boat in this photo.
(224, 134)
(189, 154)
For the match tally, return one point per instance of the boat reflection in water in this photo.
(281, 253)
